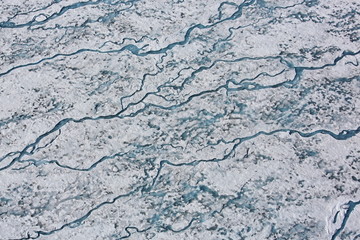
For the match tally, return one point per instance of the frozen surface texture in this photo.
(179, 119)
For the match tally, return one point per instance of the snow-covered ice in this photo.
(179, 119)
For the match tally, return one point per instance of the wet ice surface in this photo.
(179, 119)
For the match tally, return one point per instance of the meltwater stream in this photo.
(179, 119)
